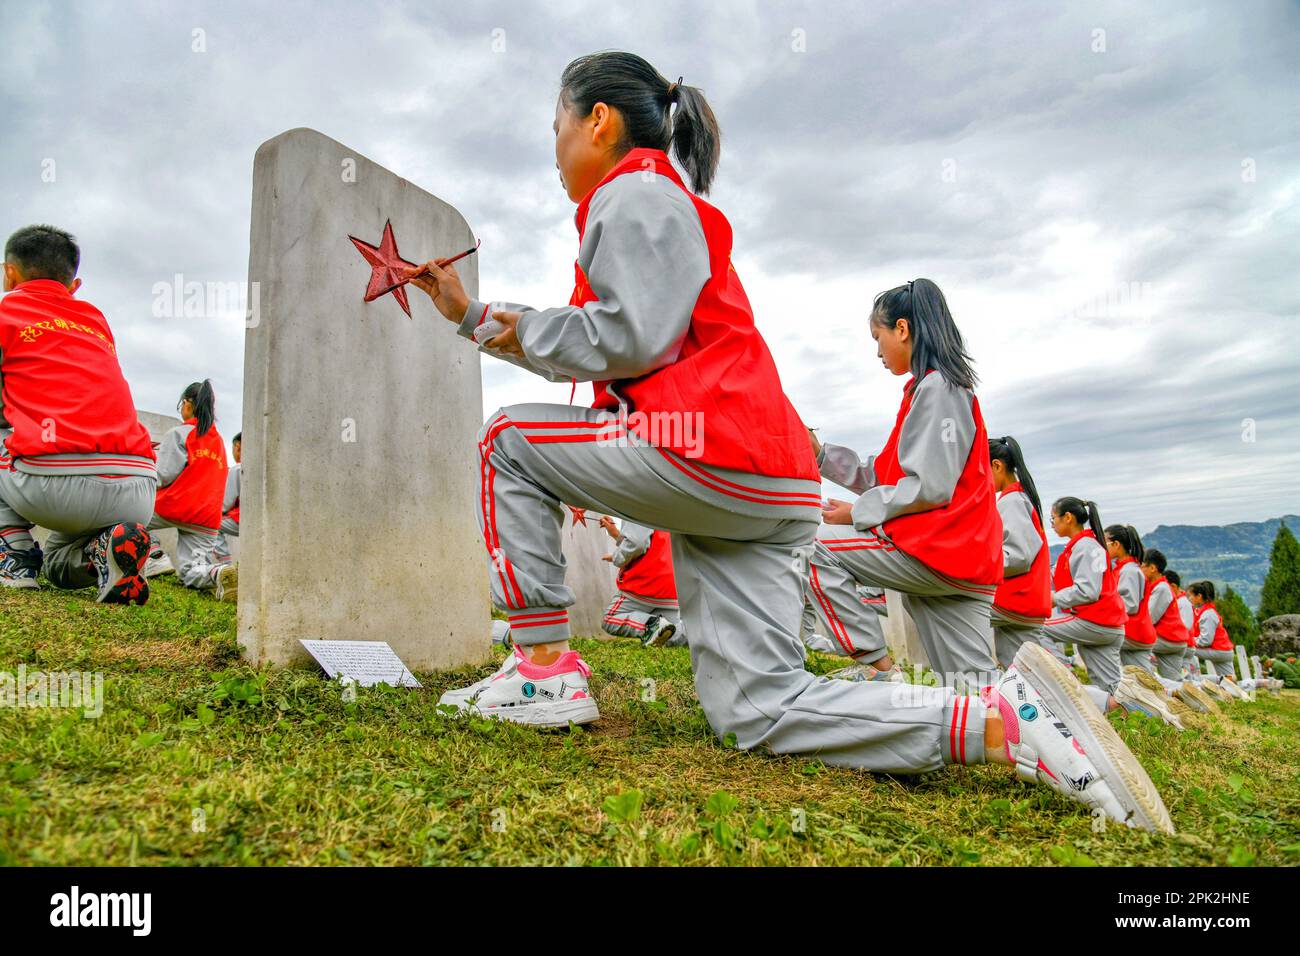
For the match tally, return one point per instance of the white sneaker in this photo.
(1063, 740)
(501, 633)
(1234, 689)
(526, 693)
(158, 564)
(1135, 696)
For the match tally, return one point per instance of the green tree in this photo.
(1281, 591)
(1238, 620)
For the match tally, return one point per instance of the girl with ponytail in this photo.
(1085, 594)
(1126, 552)
(1024, 598)
(926, 521)
(690, 432)
(1212, 641)
(192, 484)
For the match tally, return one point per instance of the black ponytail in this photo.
(204, 400)
(1128, 539)
(1085, 512)
(936, 341)
(1007, 451)
(1156, 558)
(645, 99)
(1204, 588)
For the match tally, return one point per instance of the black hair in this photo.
(936, 341)
(1085, 512)
(1204, 588)
(1007, 451)
(1156, 558)
(1127, 538)
(645, 98)
(1174, 578)
(200, 394)
(238, 439)
(44, 252)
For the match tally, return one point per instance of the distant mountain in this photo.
(1234, 554)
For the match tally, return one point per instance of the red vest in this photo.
(1028, 594)
(1221, 640)
(195, 496)
(1170, 626)
(963, 539)
(724, 372)
(1108, 610)
(651, 575)
(64, 392)
(1137, 627)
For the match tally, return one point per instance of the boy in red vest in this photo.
(74, 457)
(646, 604)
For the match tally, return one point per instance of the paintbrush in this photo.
(425, 271)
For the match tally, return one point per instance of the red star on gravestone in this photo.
(579, 515)
(388, 268)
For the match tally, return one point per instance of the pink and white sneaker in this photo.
(1057, 736)
(526, 693)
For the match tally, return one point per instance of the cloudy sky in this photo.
(1108, 196)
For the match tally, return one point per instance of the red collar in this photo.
(632, 160)
(1009, 489)
(48, 286)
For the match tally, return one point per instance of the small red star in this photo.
(388, 268)
(579, 514)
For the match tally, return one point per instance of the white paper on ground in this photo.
(366, 662)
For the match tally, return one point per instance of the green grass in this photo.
(201, 759)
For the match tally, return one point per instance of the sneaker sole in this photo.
(1109, 754)
(22, 584)
(1190, 692)
(581, 711)
(1146, 679)
(1152, 701)
(128, 550)
(227, 590)
(663, 637)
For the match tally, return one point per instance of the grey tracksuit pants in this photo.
(740, 550)
(952, 617)
(1221, 661)
(1170, 658)
(853, 628)
(627, 615)
(1138, 655)
(1098, 645)
(75, 509)
(1010, 631)
(196, 552)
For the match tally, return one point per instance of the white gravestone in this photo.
(361, 464)
(592, 579)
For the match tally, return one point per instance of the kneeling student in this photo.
(192, 472)
(645, 606)
(74, 457)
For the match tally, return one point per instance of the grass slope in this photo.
(200, 759)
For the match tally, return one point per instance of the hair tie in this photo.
(674, 91)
